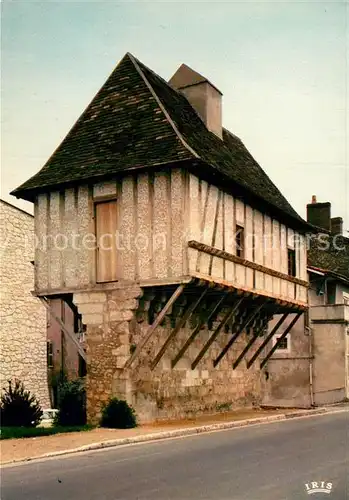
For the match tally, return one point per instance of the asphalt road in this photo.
(264, 462)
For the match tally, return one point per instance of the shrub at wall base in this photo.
(19, 408)
(71, 403)
(118, 414)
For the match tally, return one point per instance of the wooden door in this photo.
(106, 228)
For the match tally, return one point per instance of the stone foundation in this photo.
(107, 316)
(116, 321)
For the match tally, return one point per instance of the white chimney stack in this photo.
(204, 97)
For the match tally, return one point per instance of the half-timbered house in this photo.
(173, 243)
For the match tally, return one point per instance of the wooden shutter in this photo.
(106, 227)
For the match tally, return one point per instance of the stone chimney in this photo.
(337, 225)
(204, 97)
(319, 214)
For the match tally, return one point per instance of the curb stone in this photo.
(186, 431)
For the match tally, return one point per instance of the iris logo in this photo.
(318, 487)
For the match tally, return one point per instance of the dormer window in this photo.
(240, 241)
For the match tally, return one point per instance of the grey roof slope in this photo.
(137, 120)
(331, 253)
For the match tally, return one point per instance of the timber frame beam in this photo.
(290, 326)
(250, 343)
(228, 316)
(267, 339)
(158, 320)
(197, 329)
(250, 317)
(190, 310)
(215, 252)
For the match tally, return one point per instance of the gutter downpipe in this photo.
(309, 331)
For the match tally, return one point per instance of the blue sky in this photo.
(280, 65)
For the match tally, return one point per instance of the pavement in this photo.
(259, 462)
(16, 450)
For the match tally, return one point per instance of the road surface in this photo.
(265, 462)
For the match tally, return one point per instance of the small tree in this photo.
(18, 407)
(118, 414)
(71, 403)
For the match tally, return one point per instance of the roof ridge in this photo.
(161, 106)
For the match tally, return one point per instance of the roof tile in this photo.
(138, 120)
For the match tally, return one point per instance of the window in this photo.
(49, 347)
(291, 259)
(106, 232)
(331, 292)
(284, 345)
(346, 299)
(240, 241)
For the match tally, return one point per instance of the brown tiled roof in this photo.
(137, 120)
(330, 253)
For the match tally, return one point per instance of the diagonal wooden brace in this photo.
(244, 325)
(215, 334)
(198, 328)
(267, 340)
(176, 329)
(156, 323)
(290, 326)
(65, 330)
(249, 345)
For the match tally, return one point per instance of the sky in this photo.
(282, 67)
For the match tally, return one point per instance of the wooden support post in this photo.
(244, 325)
(179, 325)
(63, 327)
(248, 346)
(267, 340)
(290, 326)
(156, 323)
(197, 330)
(215, 334)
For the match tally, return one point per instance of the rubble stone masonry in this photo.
(116, 321)
(22, 316)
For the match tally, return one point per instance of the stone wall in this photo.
(116, 321)
(287, 374)
(330, 327)
(329, 363)
(315, 368)
(22, 317)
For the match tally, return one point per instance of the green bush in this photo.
(18, 407)
(71, 404)
(55, 380)
(118, 414)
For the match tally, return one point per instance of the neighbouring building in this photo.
(22, 316)
(174, 245)
(310, 366)
(63, 356)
